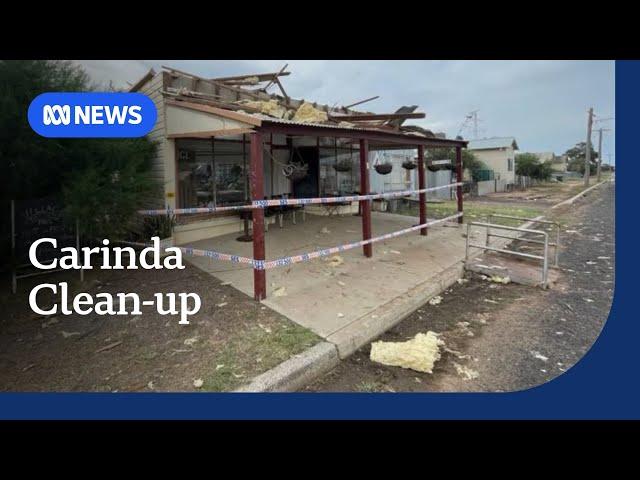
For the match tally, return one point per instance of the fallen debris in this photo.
(266, 329)
(419, 354)
(435, 300)
(198, 382)
(280, 292)
(69, 334)
(465, 372)
(456, 353)
(335, 261)
(108, 347)
(499, 279)
(190, 341)
(539, 356)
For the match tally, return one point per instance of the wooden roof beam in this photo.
(377, 116)
(262, 77)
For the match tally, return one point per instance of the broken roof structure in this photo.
(245, 99)
(228, 147)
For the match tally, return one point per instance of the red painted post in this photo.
(365, 205)
(421, 185)
(256, 176)
(459, 179)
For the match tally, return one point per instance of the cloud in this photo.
(542, 103)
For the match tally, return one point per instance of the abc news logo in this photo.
(91, 115)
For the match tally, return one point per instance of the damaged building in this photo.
(231, 141)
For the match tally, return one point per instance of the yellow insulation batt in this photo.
(271, 107)
(419, 354)
(307, 113)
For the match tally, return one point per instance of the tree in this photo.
(99, 181)
(469, 160)
(529, 165)
(576, 156)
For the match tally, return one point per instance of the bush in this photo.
(528, 165)
(469, 160)
(101, 181)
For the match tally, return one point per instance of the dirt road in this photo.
(507, 337)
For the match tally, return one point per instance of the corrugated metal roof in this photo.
(490, 143)
(342, 126)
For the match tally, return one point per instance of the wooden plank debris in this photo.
(376, 116)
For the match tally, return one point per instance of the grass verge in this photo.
(256, 351)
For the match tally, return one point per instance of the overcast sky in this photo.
(543, 104)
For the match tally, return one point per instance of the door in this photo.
(308, 186)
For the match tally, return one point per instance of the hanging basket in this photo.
(409, 164)
(295, 172)
(384, 168)
(343, 166)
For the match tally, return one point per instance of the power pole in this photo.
(599, 153)
(587, 156)
(600, 130)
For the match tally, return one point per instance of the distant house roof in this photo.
(492, 143)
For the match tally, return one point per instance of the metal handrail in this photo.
(555, 244)
(545, 235)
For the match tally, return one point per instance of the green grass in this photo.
(474, 212)
(370, 387)
(256, 351)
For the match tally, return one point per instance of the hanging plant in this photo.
(295, 172)
(384, 168)
(409, 164)
(343, 166)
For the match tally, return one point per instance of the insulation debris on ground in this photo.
(335, 261)
(435, 300)
(539, 356)
(419, 354)
(499, 279)
(280, 292)
(465, 372)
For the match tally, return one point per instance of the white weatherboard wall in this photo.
(398, 179)
(163, 162)
(496, 159)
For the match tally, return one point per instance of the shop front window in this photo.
(211, 173)
(339, 169)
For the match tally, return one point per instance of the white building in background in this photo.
(498, 154)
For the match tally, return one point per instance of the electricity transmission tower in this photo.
(471, 119)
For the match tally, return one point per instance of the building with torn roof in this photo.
(227, 141)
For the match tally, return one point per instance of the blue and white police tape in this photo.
(195, 252)
(187, 211)
(284, 261)
(349, 198)
(282, 202)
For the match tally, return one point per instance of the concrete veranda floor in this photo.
(330, 299)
